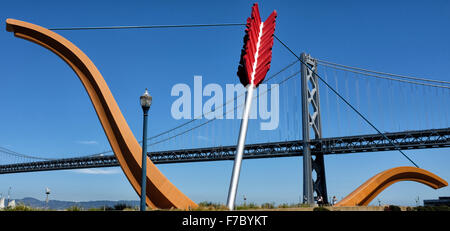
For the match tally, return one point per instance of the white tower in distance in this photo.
(47, 192)
(2, 201)
(9, 193)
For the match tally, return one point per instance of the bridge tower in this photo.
(311, 123)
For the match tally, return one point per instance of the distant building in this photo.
(440, 202)
(2, 203)
(12, 204)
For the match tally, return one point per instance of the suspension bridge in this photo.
(310, 124)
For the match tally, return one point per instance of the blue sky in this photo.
(46, 112)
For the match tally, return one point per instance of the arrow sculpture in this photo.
(253, 66)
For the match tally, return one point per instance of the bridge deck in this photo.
(423, 139)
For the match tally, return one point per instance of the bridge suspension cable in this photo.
(388, 78)
(224, 114)
(211, 111)
(172, 26)
(346, 102)
(16, 154)
(381, 73)
(221, 106)
(185, 123)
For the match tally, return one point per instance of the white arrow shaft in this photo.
(240, 148)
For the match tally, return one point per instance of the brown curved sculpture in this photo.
(365, 193)
(161, 193)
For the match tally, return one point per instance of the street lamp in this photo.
(146, 102)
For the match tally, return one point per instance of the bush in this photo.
(122, 206)
(392, 208)
(432, 208)
(208, 206)
(247, 206)
(107, 208)
(441, 208)
(268, 205)
(320, 209)
(20, 207)
(74, 208)
(284, 206)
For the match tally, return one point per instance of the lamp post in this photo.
(146, 102)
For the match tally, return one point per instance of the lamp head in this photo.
(146, 100)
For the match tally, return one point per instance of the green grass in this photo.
(212, 206)
(23, 207)
(246, 206)
(75, 208)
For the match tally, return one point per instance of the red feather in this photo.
(256, 54)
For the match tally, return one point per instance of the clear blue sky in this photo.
(46, 112)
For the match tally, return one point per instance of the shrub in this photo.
(20, 207)
(432, 208)
(122, 206)
(320, 209)
(284, 205)
(208, 206)
(247, 206)
(74, 208)
(441, 208)
(268, 205)
(392, 208)
(107, 208)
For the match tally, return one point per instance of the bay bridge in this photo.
(310, 125)
(423, 139)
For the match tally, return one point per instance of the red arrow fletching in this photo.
(256, 54)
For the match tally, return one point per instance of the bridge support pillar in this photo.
(311, 123)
